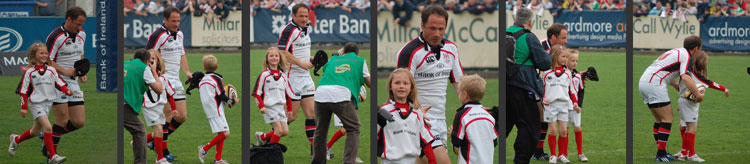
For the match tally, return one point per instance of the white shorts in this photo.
(179, 90)
(404, 160)
(575, 118)
(682, 123)
(302, 86)
(653, 93)
(73, 86)
(275, 113)
(218, 124)
(154, 115)
(557, 111)
(688, 110)
(39, 109)
(439, 131)
(336, 121)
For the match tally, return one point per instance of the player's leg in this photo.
(61, 111)
(683, 128)
(157, 136)
(665, 116)
(692, 127)
(308, 107)
(338, 134)
(43, 122)
(295, 111)
(552, 140)
(281, 129)
(178, 118)
(563, 137)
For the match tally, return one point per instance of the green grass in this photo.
(603, 113)
(720, 137)
(93, 143)
(296, 142)
(196, 131)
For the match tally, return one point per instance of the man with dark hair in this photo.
(653, 84)
(65, 45)
(345, 73)
(525, 89)
(440, 62)
(557, 34)
(138, 75)
(167, 39)
(294, 44)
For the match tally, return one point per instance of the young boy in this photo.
(213, 97)
(577, 89)
(473, 132)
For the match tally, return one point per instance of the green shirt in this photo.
(134, 84)
(344, 70)
(522, 48)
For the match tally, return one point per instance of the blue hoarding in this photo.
(330, 25)
(594, 28)
(16, 34)
(726, 33)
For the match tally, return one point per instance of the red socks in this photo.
(159, 148)
(150, 137)
(335, 138)
(49, 144)
(552, 144)
(579, 142)
(218, 139)
(219, 148)
(563, 143)
(267, 136)
(690, 138)
(24, 136)
(275, 139)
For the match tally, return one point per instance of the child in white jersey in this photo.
(402, 133)
(273, 96)
(38, 88)
(153, 108)
(558, 99)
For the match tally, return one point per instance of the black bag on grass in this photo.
(267, 154)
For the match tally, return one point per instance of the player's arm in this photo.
(692, 87)
(366, 74)
(53, 48)
(457, 71)
(258, 91)
(185, 67)
(427, 150)
(152, 79)
(712, 84)
(60, 83)
(22, 90)
(285, 45)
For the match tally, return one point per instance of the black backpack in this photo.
(267, 154)
(510, 48)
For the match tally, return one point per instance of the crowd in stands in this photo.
(278, 5)
(680, 9)
(210, 9)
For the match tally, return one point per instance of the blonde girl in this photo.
(558, 100)
(272, 95)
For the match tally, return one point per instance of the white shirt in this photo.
(668, 67)
(430, 73)
(273, 88)
(332, 93)
(406, 135)
(39, 84)
(557, 85)
(576, 86)
(474, 127)
(296, 40)
(211, 86)
(170, 45)
(159, 99)
(65, 49)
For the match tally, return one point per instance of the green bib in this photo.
(344, 70)
(134, 85)
(522, 48)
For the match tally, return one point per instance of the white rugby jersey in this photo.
(39, 84)
(577, 87)
(557, 85)
(430, 72)
(170, 45)
(64, 47)
(668, 67)
(159, 99)
(296, 40)
(474, 134)
(272, 88)
(700, 79)
(211, 87)
(406, 136)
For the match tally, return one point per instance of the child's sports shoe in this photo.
(221, 162)
(13, 145)
(201, 153)
(56, 159)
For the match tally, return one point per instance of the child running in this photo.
(213, 97)
(272, 94)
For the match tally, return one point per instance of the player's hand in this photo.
(289, 114)
(726, 93)
(576, 107)
(23, 113)
(174, 113)
(69, 92)
(545, 102)
(425, 109)
(235, 101)
(699, 97)
(450, 129)
(305, 65)
(263, 110)
(188, 75)
(82, 79)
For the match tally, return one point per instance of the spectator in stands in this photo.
(238, 6)
(578, 5)
(473, 7)
(155, 7)
(557, 9)
(737, 11)
(451, 5)
(128, 4)
(205, 7)
(49, 7)
(254, 7)
(667, 10)
(221, 10)
(640, 11)
(657, 9)
(190, 7)
(141, 8)
(361, 4)
(337, 3)
(396, 7)
(180, 4)
(747, 6)
(509, 4)
(722, 10)
(426, 3)
(490, 5)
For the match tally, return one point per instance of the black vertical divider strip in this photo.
(373, 82)
(502, 89)
(629, 82)
(120, 78)
(245, 91)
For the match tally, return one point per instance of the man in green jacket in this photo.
(342, 74)
(139, 74)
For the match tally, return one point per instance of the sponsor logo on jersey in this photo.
(343, 68)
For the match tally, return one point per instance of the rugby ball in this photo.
(231, 93)
(362, 94)
(690, 96)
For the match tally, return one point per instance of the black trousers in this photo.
(522, 112)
